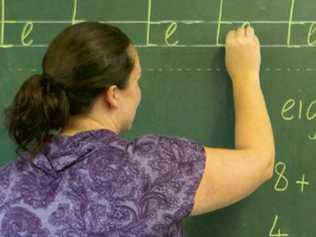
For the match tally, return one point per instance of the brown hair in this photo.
(81, 62)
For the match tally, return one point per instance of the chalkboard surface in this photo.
(187, 92)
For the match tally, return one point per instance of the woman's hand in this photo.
(242, 56)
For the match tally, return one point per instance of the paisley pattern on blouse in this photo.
(97, 184)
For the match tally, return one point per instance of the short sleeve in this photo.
(172, 171)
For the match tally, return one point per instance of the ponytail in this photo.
(40, 106)
(82, 61)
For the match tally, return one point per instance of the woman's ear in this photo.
(111, 97)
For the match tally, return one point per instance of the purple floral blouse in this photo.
(95, 184)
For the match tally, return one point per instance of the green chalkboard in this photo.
(187, 92)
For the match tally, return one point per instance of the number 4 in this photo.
(278, 234)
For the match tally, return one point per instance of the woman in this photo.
(78, 177)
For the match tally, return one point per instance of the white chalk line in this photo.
(7, 46)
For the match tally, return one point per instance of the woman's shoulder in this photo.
(171, 166)
(151, 143)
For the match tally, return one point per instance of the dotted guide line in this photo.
(179, 69)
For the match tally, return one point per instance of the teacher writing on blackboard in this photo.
(78, 177)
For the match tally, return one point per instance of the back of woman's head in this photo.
(81, 63)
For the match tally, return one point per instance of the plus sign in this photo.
(302, 182)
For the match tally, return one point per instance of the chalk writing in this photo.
(293, 109)
(27, 30)
(219, 22)
(282, 182)
(311, 32)
(173, 26)
(272, 230)
(289, 31)
(302, 183)
(287, 112)
(312, 137)
(169, 32)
